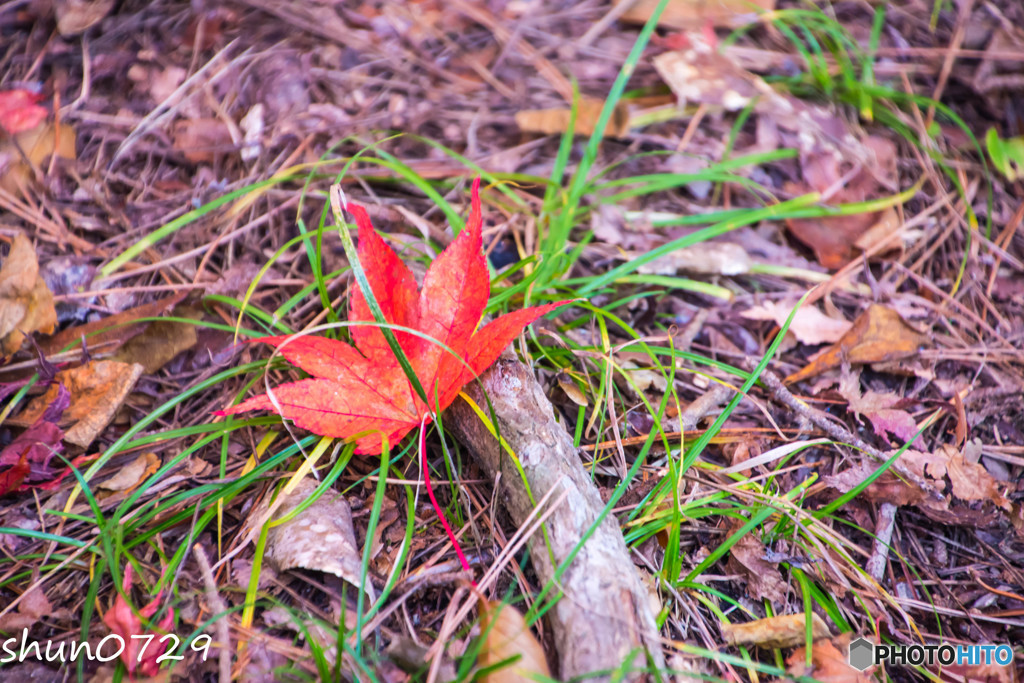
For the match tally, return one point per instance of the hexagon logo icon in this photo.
(862, 654)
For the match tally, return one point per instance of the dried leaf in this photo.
(26, 304)
(31, 608)
(556, 121)
(700, 75)
(19, 110)
(635, 377)
(692, 14)
(131, 474)
(971, 481)
(361, 391)
(848, 167)
(886, 224)
(879, 408)
(709, 258)
(320, 538)
(110, 332)
(888, 488)
(828, 664)
(97, 391)
(746, 558)
(161, 341)
(76, 16)
(25, 462)
(572, 390)
(878, 334)
(37, 144)
(809, 326)
(787, 630)
(834, 238)
(506, 637)
(201, 140)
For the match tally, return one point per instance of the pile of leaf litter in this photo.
(788, 395)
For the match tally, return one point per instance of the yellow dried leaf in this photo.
(787, 630)
(98, 389)
(693, 14)
(37, 145)
(878, 334)
(26, 303)
(76, 16)
(556, 121)
(571, 390)
(507, 637)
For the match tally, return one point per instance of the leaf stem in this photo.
(433, 500)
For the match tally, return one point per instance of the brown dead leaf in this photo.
(971, 481)
(161, 341)
(320, 538)
(556, 121)
(887, 488)
(692, 14)
(886, 224)
(26, 304)
(130, 475)
(828, 664)
(113, 331)
(572, 390)
(878, 334)
(879, 407)
(75, 16)
(834, 238)
(37, 145)
(33, 606)
(201, 140)
(787, 630)
(763, 578)
(810, 326)
(97, 389)
(506, 636)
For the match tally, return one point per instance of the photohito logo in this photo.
(864, 653)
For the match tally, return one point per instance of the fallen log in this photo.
(604, 617)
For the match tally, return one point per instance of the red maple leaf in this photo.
(361, 391)
(19, 111)
(125, 622)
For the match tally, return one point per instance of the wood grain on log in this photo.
(604, 617)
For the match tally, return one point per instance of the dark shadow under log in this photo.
(604, 617)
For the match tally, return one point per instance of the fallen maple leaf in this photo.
(125, 622)
(361, 391)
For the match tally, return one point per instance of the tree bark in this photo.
(604, 617)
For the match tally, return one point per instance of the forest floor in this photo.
(792, 368)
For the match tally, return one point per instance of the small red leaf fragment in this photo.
(124, 622)
(19, 111)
